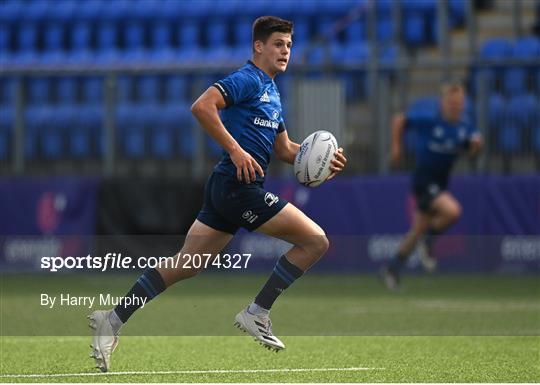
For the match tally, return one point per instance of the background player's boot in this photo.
(260, 327)
(428, 262)
(390, 278)
(105, 339)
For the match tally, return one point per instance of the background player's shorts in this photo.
(425, 194)
(229, 204)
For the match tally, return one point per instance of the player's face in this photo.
(276, 52)
(453, 105)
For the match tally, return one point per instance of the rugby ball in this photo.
(312, 162)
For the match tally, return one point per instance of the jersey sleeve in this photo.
(281, 126)
(237, 87)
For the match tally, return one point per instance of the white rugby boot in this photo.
(259, 327)
(105, 339)
(428, 262)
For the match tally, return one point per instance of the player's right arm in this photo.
(206, 110)
(398, 126)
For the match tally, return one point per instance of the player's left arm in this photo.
(284, 148)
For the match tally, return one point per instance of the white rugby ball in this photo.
(312, 162)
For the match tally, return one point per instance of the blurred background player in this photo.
(440, 140)
(250, 129)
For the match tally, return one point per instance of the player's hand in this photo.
(475, 145)
(246, 166)
(395, 155)
(337, 164)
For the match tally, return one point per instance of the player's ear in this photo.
(258, 46)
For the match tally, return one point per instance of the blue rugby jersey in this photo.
(438, 144)
(252, 116)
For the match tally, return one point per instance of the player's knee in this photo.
(455, 212)
(320, 245)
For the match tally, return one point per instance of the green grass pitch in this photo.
(337, 328)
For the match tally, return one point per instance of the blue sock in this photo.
(397, 262)
(149, 285)
(430, 238)
(284, 274)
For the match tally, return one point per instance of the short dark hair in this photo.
(264, 26)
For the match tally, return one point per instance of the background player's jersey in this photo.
(438, 144)
(252, 116)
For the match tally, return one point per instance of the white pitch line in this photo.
(145, 373)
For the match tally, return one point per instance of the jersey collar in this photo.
(264, 76)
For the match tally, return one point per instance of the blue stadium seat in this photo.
(53, 44)
(496, 110)
(355, 53)
(66, 90)
(171, 10)
(176, 89)
(496, 49)
(107, 42)
(526, 48)
(148, 89)
(216, 33)
(54, 36)
(85, 134)
(384, 7)
(189, 34)
(27, 37)
(52, 133)
(325, 28)
(509, 138)
(93, 90)
(514, 81)
(414, 32)
(91, 10)
(65, 10)
(178, 118)
(134, 35)
(160, 36)
(131, 136)
(425, 7)
(336, 8)
(7, 91)
(301, 31)
(146, 9)
(38, 91)
(242, 32)
(457, 9)
(118, 10)
(355, 31)
(37, 10)
(11, 11)
(80, 36)
(5, 37)
(125, 90)
(524, 111)
(162, 141)
(384, 29)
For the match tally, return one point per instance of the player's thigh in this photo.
(202, 242)
(203, 239)
(293, 226)
(445, 204)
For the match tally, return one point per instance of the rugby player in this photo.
(440, 140)
(251, 128)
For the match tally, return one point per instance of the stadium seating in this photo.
(65, 114)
